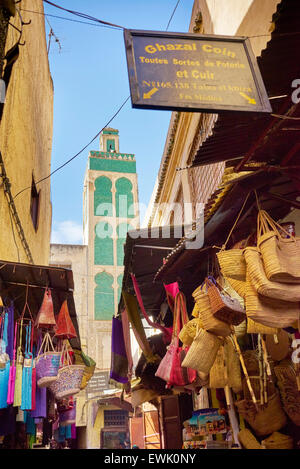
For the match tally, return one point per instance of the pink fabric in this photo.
(172, 289)
(166, 331)
(12, 373)
(126, 334)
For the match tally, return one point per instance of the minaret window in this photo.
(103, 197)
(104, 296)
(103, 248)
(124, 199)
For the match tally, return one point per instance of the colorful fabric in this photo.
(26, 403)
(137, 326)
(127, 342)
(4, 372)
(119, 362)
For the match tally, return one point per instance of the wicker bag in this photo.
(47, 362)
(188, 332)
(247, 440)
(223, 306)
(209, 321)
(267, 419)
(238, 285)
(268, 311)
(263, 286)
(290, 396)
(226, 370)
(195, 312)
(203, 351)
(281, 255)
(232, 263)
(278, 441)
(254, 327)
(278, 349)
(69, 376)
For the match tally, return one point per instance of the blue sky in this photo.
(90, 83)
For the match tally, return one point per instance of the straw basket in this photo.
(195, 312)
(278, 349)
(278, 441)
(139, 395)
(238, 285)
(188, 332)
(257, 386)
(209, 321)
(268, 419)
(268, 311)
(226, 370)
(248, 440)
(47, 363)
(260, 282)
(203, 351)
(251, 362)
(241, 329)
(281, 256)
(224, 307)
(254, 327)
(290, 396)
(232, 263)
(69, 376)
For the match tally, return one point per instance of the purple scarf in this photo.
(119, 361)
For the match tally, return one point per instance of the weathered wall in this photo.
(26, 137)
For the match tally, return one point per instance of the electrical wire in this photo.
(172, 15)
(84, 15)
(79, 152)
(71, 19)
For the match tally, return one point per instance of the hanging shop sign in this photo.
(190, 72)
(98, 382)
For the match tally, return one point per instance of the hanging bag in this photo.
(69, 376)
(47, 362)
(45, 318)
(170, 368)
(64, 328)
(263, 286)
(223, 306)
(209, 321)
(280, 254)
(12, 372)
(203, 351)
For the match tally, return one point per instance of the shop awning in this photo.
(265, 137)
(14, 278)
(145, 251)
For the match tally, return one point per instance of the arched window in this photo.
(124, 199)
(122, 229)
(103, 197)
(104, 296)
(120, 280)
(104, 248)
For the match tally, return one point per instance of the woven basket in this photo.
(238, 285)
(247, 440)
(203, 351)
(209, 321)
(195, 312)
(232, 263)
(260, 282)
(251, 362)
(241, 329)
(188, 332)
(278, 441)
(268, 419)
(226, 370)
(68, 381)
(268, 311)
(254, 327)
(224, 307)
(47, 363)
(290, 396)
(139, 395)
(281, 256)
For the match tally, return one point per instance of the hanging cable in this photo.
(78, 153)
(172, 15)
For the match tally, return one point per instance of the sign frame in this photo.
(138, 102)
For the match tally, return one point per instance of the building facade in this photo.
(110, 209)
(26, 119)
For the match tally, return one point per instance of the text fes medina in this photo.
(151, 49)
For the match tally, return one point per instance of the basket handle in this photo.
(264, 221)
(235, 223)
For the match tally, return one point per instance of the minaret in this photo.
(110, 209)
